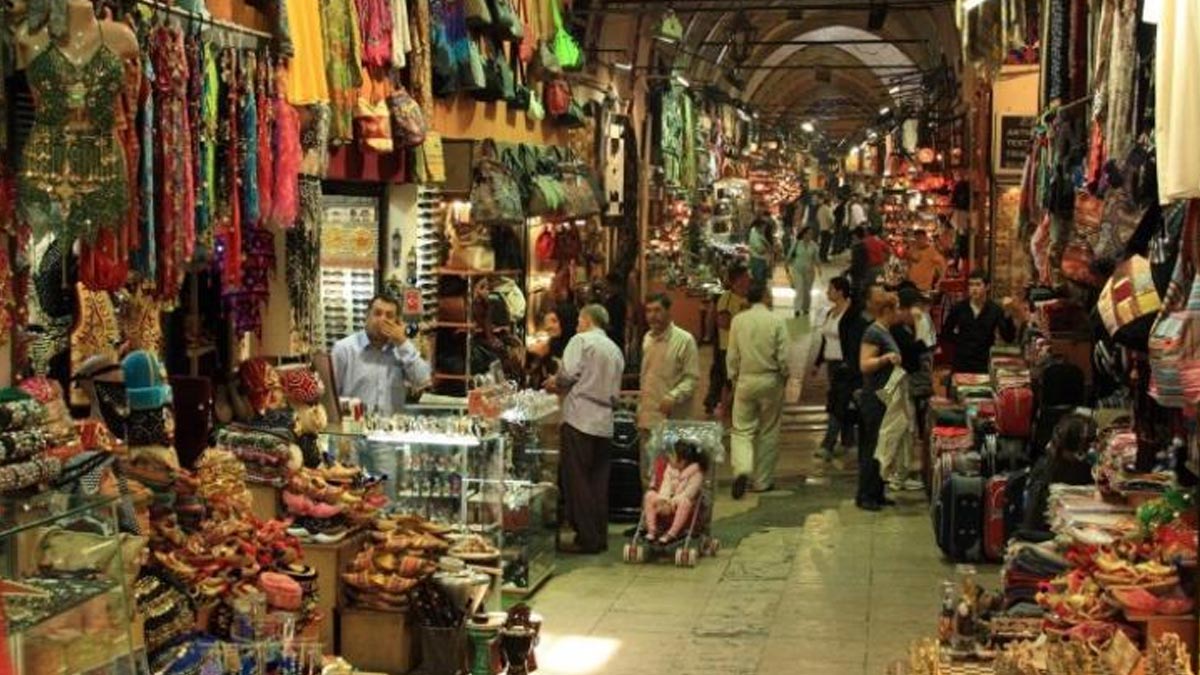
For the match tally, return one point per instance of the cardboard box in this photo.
(264, 501)
(376, 641)
(330, 560)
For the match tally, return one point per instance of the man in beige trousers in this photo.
(758, 369)
(670, 373)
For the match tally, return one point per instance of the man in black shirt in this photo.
(971, 326)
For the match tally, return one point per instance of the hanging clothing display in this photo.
(1177, 89)
(73, 180)
(176, 218)
(307, 83)
(343, 66)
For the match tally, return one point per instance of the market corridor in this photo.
(805, 582)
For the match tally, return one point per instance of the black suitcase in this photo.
(625, 480)
(958, 518)
(1014, 500)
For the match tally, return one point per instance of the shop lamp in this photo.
(627, 67)
(741, 38)
(807, 127)
(895, 89)
(969, 5)
(682, 82)
(884, 110)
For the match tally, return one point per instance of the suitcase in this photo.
(1014, 499)
(1014, 411)
(995, 525)
(958, 518)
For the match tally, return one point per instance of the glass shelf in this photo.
(26, 513)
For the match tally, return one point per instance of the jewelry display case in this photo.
(530, 506)
(65, 575)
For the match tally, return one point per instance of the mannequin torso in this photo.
(85, 35)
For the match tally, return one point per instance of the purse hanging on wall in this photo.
(566, 49)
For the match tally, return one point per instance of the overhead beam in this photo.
(687, 6)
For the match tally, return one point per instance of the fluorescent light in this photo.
(627, 67)
(682, 82)
(895, 89)
(663, 38)
(884, 110)
(742, 114)
(807, 127)
(969, 5)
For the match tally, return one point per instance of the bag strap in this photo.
(557, 14)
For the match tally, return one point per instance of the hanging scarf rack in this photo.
(206, 20)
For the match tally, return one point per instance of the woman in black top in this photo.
(1065, 462)
(878, 355)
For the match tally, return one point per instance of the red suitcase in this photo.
(1014, 412)
(995, 531)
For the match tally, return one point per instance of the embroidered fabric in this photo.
(72, 179)
(114, 409)
(96, 332)
(343, 68)
(149, 427)
(303, 251)
(375, 20)
(176, 223)
(285, 199)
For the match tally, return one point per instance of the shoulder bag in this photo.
(495, 195)
(409, 125)
(505, 21)
(566, 49)
(528, 38)
(479, 15)
(558, 97)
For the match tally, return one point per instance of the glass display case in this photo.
(530, 508)
(65, 575)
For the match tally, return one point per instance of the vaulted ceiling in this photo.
(813, 60)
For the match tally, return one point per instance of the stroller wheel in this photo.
(686, 557)
(633, 553)
(712, 546)
(627, 553)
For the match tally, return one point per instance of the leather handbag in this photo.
(545, 245)
(566, 49)
(479, 14)
(495, 72)
(558, 97)
(495, 196)
(1088, 210)
(373, 126)
(529, 40)
(409, 125)
(474, 74)
(506, 23)
(574, 117)
(535, 111)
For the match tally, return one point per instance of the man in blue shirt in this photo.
(379, 365)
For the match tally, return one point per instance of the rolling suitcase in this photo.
(995, 524)
(958, 518)
(1014, 411)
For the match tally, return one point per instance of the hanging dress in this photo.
(176, 226)
(1177, 91)
(343, 68)
(307, 81)
(73, 180)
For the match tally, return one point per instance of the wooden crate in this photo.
(330, 560)
(376, 641)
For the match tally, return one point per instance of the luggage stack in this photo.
(980, 459)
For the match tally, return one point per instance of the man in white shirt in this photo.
(589, 381)
(758, 367)
(858, 213)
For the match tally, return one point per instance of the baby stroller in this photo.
(696, 540)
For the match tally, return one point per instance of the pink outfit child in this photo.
(681, 488)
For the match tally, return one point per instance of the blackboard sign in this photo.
(1013, 134)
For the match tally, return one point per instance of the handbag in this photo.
(1121, 218)
(566, 49)
(409, 125)
(574, 117)
(1077, 258)
(1128, 295)
(1088, 209)
(535, 111)
(444, 68)
(558, 97)
(495, 196)
(373, 125)
(529, 40)
(479, 15)
(545, 245)
(505, 21)
(431, 160)
(670, 28)
(473, 74)
(495, 71)
(1174, 349)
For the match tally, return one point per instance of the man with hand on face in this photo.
(379, 366)
(670, 371)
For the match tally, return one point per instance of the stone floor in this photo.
(804, 582)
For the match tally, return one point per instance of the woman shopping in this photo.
(802, 267)
(878, 357)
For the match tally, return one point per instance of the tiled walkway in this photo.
(805, 583)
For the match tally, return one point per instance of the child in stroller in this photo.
(677, 494)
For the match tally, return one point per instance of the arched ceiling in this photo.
(780, 76)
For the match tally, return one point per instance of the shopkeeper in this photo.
(972, 325)
(380, 367)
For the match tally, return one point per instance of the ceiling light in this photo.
(807, 127)
(969, 5)
(682, 82)
(742, 114)
(627, 67)
(895, 89)
(664, 38)
(884, 110)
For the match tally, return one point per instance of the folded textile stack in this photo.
(402, 550)
(1077, 515)
(24, 442)
(266, 454)
(1026, 567)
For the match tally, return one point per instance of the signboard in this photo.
(1012, 135)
